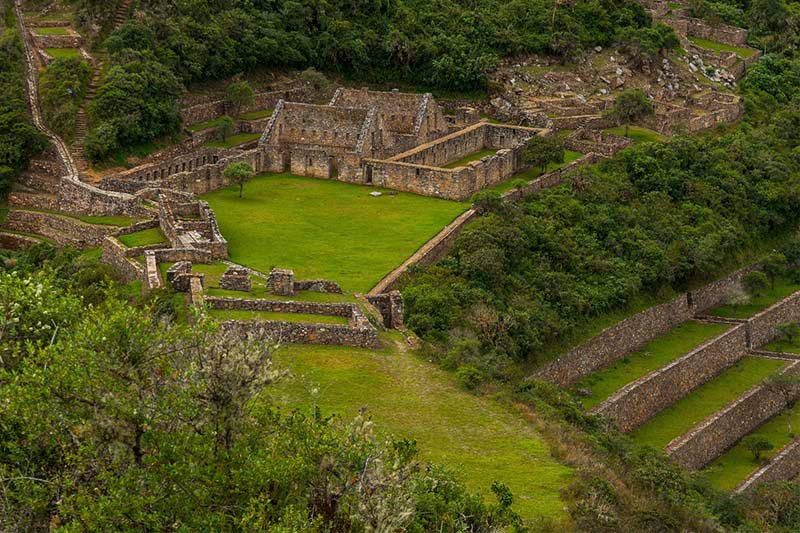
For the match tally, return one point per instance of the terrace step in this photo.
(11, 240)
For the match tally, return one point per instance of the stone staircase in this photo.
(121, 14)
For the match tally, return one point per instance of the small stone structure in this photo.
(281, 282)
(190, 223)
(391, 308)
(235, 279)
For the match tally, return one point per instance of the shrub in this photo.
(756, 445)
(470, 377)
(755, 283)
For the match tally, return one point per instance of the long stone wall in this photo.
(115, 254)
(262, 100)
(63, 230)
(721, 431)
(631, 334)
(784, 466)
(637, 402)
(763, 326)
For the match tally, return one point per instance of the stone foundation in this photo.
(391, 308)
(235, 279)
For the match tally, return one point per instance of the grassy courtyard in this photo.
(707, 399)
(63, 53)
(733, 467)
(326, 229)
(637, 133)
(143, 238)
(238, 314)
(744, 53)
(51, 31)
(533, 173)
(655, 355)
(234, 140)
(480, 154)
(476, 437)
(783, 288)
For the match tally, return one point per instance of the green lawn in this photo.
(475, 436)
(637, 133)
(63, 53)
(744, 53)
(255, 115)
(783, 288)
(208, 124)
(733, 467)
(52, 31)
(533, 173)
(143, 238)
(260, 292)
(326, 229)
(234, 140)
(784, 345)
(224, 314)
(705, 400)
(471, 157)
(655, 355)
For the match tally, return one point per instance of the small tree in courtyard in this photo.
(239, 173)
(240, 94)
(541, 151)
(226, 127)
(630, 106)
(755, 282)
(757, 444)
(787, 386)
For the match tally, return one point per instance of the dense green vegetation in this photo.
(62, 88)
(114, 419)
(445, 44)
(657, 218)
(19, 139)
(326, 229)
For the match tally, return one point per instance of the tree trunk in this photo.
(241, 189)
(626, 130)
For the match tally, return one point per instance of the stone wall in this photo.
(391, 308)
(347, 310)
(763, 326)
(631, 334)
(590, 141)
(637, 402)
(63, 230)
(317, 285)
(721, 431)
(11, 241)
(115, 254)
(78, 197)
(262, 100)
(783, 467)
(72, 40)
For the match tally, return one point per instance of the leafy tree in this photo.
(756, 445)
(790, 332)
(630, 106)
(541, 151)
(755, 282)
(644, 45)
(767, 16)
(240, 94)
(239, 174)
(787, 386)
(226, 127)
(774, 265)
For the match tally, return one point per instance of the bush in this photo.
(755, 283)
(470, 377)
(756, 445)
(101, 142)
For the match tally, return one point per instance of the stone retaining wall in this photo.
(73, 40)
(10, 241)
(115, 254)
(347, 310)
(637, 402)
(63, 230)
(721, 431)
(784, 466)
(763, 326)
(263, 100)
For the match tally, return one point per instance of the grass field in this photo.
(783, 288)
(533, 173)
(744, 53)
(255, 115)
(260, 292)
(637, 133)
(733, 467)
(234, 140)
(655, 355)
(476, 437)
(326, 229)
(784, 345)
(705, 400)
(52, 31)
(63, 53)
(225, 314)
(471, 157)
(109, 220)
(143, 238)
(208, 124)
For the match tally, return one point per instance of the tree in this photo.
(757, 444)
(543, 150)
(630, 106)
(787, 386)
(774, 265)
(755, 282)
(790, 332)
(240, 94)
(239, 173)
(226, 127)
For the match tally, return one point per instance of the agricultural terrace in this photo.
(326, 229)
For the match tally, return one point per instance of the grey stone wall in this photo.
(115, 254)
(763, 326)
(391, 307)
(262, 100)
(63, 230)
(721, 431)
(637, 402)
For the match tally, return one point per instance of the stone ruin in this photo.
(282, 283)
(190, 224)
(236, 278)
(391, 308)
(180, 276)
